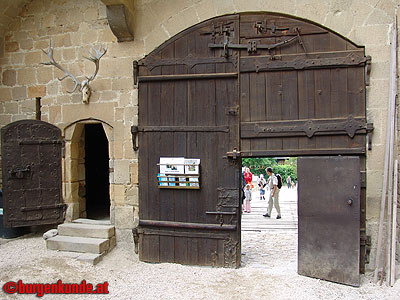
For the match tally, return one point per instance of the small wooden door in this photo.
(329, 218)
(31, 170)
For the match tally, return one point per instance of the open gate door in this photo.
(31, 161)
(329, 218)
(188, 107)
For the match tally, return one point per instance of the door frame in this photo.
(364, 256)
(74, 166)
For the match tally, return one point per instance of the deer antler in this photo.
(95, 57)
(49, 53)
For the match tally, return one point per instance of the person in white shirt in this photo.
(262, 183)
(273, 195)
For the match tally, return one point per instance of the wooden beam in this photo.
(303, 152)
(394, 226)
(388, 168)
(187, 76)
(171, 224)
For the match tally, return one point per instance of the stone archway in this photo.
(74, 190)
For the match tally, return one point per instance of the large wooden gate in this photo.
(247, 85)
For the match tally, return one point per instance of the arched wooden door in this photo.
(31, 171)
(246, 85)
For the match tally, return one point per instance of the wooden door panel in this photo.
(31, 159)
(329, 218)
(193, 118)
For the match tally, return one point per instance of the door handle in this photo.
(350, 202)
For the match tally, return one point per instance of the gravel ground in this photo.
(268, 272)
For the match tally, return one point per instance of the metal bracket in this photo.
(262, 27)
(300, 40)
(370, 128)
(20, 172)
(367, 70)
(134, 132)
(135, 233)
(235, 154)
(232, 111)
(63, 148)
(366, 241)
(251, 46)
(135, 72)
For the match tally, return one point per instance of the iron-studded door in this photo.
(188, 107)
(31, 170)
(329, 218)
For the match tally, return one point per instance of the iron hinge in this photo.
(363, 179)
(370, 128)
(135, 72)
(367, 69)
(135, 233)
(134, 132)
(365, 240)
(63, 148)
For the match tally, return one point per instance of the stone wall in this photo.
(74, 24)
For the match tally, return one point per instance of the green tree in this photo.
(258, 165)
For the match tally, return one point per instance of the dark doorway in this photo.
(96, 172)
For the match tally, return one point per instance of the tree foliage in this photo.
(258, 165)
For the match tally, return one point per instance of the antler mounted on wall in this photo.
(84, 87)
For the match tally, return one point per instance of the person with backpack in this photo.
(275, 184)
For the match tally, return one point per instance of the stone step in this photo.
(86, 230)
(78, 244)
(90, 221)
(91, 258)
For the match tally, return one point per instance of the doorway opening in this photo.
(268, 241)
(96, 172)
